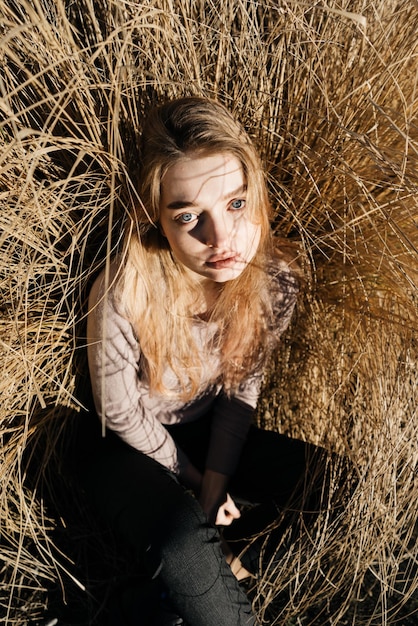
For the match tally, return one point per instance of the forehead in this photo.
(192, 179)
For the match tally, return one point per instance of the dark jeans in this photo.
(146, 505)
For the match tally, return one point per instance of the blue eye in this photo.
(185, 218)
(238, 204)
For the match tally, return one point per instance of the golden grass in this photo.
(329, 93)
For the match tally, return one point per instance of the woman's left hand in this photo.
(227, 512)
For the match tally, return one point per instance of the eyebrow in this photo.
(186, 204)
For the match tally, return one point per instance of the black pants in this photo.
(165, 527)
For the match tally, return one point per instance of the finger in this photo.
(223, 518)
(232, 508)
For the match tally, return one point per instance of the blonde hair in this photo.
(158, 295)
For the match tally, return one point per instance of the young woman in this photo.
(179, 331)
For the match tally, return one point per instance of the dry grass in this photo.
(330, 96)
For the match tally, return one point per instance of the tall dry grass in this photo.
(329, 93)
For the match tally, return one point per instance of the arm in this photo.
(120, 397)
(232, 417)
(230, 424)
(231, 421)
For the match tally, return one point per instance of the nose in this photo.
(217, 232)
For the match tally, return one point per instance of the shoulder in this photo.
(284, 285)
(106, 316)
(284, 273)
(104, 291)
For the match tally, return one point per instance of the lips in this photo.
(222, 261)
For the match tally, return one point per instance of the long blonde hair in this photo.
(158, 295)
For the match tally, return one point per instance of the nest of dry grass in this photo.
(329, 93)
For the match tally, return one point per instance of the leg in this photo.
(145, 505)
(277, 475)
(288, 482)
(201, 584)
(273, 466)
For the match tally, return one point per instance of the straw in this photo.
(328, 91)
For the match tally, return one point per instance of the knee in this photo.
(187, 537)
(186, 527)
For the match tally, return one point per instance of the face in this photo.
(204, 217)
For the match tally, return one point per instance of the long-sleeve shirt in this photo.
(123, 398)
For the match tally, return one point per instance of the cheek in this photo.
(253, 242)
(253, 236)
(179, 242)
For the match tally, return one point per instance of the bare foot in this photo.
(234, 563)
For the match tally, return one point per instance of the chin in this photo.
(225, 276)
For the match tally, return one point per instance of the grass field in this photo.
(329, 93)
